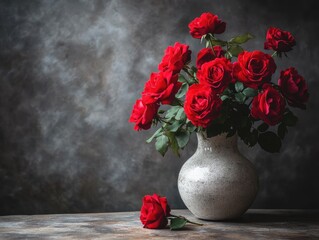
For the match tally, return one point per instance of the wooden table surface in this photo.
(255, 224)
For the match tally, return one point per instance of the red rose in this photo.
(161, 87)
(219, 51)
(202, 105)
(208, 54)
(254, 68)
(279, 40)
(294, 87)
(143, 114)
(217, 74)
(154, 211)
(175, 58)
(268, 106)
(206, 23)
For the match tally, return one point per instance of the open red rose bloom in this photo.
(154, 211)
(228, 91)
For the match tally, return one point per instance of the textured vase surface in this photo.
(217, 182)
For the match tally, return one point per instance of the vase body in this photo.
(217, 182)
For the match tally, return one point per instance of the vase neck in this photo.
(217, 143)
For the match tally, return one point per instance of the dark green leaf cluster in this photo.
(174, 132)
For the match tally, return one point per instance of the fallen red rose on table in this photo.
(155, 214)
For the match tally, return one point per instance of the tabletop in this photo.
(254, 224)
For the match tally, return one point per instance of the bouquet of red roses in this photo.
(229, 91)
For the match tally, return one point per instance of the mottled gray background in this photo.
(70, 72)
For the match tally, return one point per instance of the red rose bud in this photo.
(154, 211)
(279, 40)
(143, 114)
(161, 87)
(206, 23)
(208, 54)
(293, 87)
(268, 106)
(217, 74)
(175, 58)
(202, 105)
(254, 68)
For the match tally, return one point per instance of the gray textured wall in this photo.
(70, 72)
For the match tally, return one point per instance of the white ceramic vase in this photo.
(217, 182)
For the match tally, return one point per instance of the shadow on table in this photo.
(279, 216)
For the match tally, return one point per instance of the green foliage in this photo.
(241, 38)
(235, 50)
(290, 119)
(190, 127)
(239, 86)
(171, 112)
(263, 127)
(182, 91)
(228, 55)
(182, 79)
(174, 126)
(177, 223)
(269, 141)
(240, 97)
(214, 130)
(224, 97)
(161, 144)
(182, 138)
(180, 115)
(250, 92)
(156, 134)
(173, 143)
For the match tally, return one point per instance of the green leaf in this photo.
(282, 130)
(235, 50)
(156, 134)
(290, 119)
(177, 223)
(228, 55)
(250, 92)
(172, 112)
(202, 38)
(239, 97)
(263, 127)
(218, 42)
(174, 126)
(161, 144)
(182, 79)
(253, 138)
(190, 127)
(227, 91)
(194, 69)
(173, 143)
(231, 132)
(180, 115)
(269, 141)
(239, 86)
(207, 44)
(182, 138)
(214, 130)
(182, 91)
(245, 122)
(241, 38)
(223, 97)
(160, 111)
